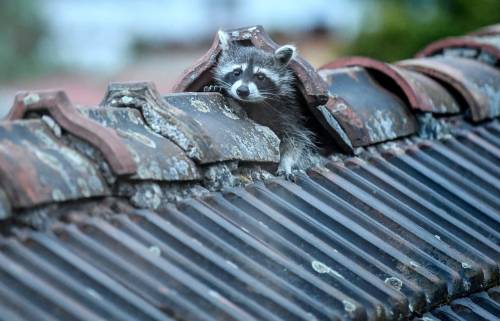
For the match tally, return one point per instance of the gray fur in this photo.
(224, 40)
(278, 107)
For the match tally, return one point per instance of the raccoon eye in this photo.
(237, 72)
(260, 76)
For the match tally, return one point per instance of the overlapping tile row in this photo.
(155, 157)
(132, 145)
(475, 83)
(378, 237)
(368, 111)
(137, 141)
(372, 102)
(482, 45)
(482, 306)
(202, 124)
(394, 95)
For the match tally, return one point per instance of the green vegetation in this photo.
(397, 29)
(21, 30)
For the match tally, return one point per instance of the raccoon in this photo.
(262, 85)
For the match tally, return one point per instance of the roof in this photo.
(164, 208)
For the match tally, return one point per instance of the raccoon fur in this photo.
(262, 85)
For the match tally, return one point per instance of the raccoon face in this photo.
(253, 75)
(246, 81)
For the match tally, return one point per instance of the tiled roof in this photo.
(152, 207)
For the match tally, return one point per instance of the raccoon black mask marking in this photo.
(263, 86)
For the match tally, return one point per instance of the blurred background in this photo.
(81, 45)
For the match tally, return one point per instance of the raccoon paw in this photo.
(286, 174)
(213, 89)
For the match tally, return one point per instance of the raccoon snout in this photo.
(243, 91)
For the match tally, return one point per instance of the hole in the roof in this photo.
(245, 43)
(311, 122)
(322, 140)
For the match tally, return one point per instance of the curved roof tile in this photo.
(477, 83)
(58, 106)
(421, 92)
(366, 111)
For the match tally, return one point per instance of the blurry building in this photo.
(100, 34)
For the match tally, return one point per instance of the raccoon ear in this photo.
(285, 54)
(224, 39)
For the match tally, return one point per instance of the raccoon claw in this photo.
(288, 175)
(213, 89)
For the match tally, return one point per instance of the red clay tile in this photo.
(421, 92)
(58, 106)
(477, 83)
(367, 112)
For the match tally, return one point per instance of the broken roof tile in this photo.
(310, 85)
(421, 92)
(366, 111)
(58, 106)
(156, 157)
(202, 124)
(325, 116)
(476, 83)
(36, 168)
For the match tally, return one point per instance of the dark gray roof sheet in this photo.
(382, 238)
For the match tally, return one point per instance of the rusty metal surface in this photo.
(477, 83)
(58, 106)
(310, 85)
(482, 306)
(36, 168)
(467, 46)
(201, 124)
(155, 157)
(421, 92)
(367, 112)
(385, 238)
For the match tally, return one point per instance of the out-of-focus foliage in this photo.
(397, 29)
(21, 30)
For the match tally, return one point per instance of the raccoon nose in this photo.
(243, 91)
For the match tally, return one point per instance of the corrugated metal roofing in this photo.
(483, 306)
(380, 237)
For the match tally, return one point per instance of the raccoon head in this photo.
(254, 75)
